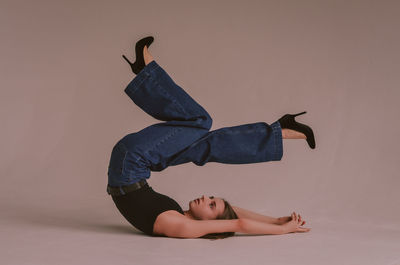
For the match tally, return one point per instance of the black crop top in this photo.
(141, 207)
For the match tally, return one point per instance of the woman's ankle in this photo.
(147, 56)
(292, 134)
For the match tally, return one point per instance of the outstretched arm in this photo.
(250, 226)
(243, 213)
(177, 225)
(185, 228)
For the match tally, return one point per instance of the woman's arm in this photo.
(251, 226)
(176, 225)
(198, 228)
(243, 213)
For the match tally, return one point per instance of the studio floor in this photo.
(61, 240)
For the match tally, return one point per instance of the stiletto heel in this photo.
(131, 64)
(287, 122)
(301, 113)
(139, 64)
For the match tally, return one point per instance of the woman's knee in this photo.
(208, 122)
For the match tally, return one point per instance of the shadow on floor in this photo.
(72, 220)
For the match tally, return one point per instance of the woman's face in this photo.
(206, 208)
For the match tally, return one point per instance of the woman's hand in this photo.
(294, 224)
(283, 220)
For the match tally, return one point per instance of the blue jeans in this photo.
(185, 135)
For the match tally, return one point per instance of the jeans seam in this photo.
(171, 97)
(276, 139)
(147, 73)
(275, 143)
(123, 160)
(163, 140)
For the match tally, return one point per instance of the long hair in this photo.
(228, 213)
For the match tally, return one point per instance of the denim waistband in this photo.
(122, 190)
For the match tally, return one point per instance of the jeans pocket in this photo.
(117, 159)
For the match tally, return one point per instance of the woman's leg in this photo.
(154, 91)
(243, 144)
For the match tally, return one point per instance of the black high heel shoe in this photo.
(139, 64)
(287, 122)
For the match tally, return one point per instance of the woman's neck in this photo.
(188, 214)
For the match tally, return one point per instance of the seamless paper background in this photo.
(63, 108)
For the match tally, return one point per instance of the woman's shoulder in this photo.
(168, 220)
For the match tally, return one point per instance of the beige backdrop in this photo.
(63, 108)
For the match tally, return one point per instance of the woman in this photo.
(184, 137)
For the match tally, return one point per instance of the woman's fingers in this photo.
(303, 229)
(301, 221)
(297, 218)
